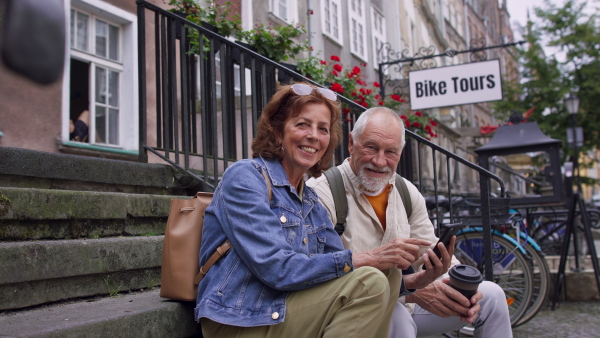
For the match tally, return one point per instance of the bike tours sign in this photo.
(455, 85)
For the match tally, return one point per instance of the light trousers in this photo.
(493, 321)
(359, 304)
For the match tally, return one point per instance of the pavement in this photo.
(569, 319)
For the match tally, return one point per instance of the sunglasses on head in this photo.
(303, 90)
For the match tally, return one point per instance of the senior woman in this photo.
(288, 274)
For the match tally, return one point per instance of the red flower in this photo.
(345, 110)
(395, 97)
(353, 94)
(364, 104)
(364, 64)
(403, 117)
(311, 48)
(381, 103)
(369, 91)
(335, 58)
(336, 87)
(334, 72)
(362, 91)
(418, 113)
(323, 62)
(311, 12)
(407, 123)
(361, 82)
(337, 67)
(377, 97)
(433, 123)
(356, 70)
(376, 84)
(428, 128)
(416, 124)
(348, 119)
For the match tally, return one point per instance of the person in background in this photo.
(79, 130)
(288, 274)
(376, 216)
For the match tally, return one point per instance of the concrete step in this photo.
(31, 214)
(24, 168)
(142, 314)
(40, 272)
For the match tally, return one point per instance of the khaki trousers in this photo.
(359, 304)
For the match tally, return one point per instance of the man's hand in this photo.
(441, 299)
(434, 266)
(400, 252)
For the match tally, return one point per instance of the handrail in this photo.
(199, 110)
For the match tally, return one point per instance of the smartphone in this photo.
(448, 231)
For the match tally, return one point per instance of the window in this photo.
(96, 43)
(101, 79)
(378, 33)
(331, 19)
(286, 10)
(356, 13)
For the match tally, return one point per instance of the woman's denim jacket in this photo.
(284, 245)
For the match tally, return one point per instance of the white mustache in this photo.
(370, 166)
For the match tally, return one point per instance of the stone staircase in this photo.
(81, 245)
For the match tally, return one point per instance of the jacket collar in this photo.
(278, 177)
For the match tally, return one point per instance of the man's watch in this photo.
(403, 290)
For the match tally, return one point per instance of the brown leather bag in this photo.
(180, 274)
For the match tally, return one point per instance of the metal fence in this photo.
(201, 95)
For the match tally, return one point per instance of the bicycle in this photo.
(513, 269)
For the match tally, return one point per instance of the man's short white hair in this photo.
(359, 126)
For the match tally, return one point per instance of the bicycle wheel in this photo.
(511, 269)
(541, 282)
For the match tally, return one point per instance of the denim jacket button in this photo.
(275, 315)
(346, 268)
(305, 241)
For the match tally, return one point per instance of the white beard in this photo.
(374, 184)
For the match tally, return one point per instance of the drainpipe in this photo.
(308, 21)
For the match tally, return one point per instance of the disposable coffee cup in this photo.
(465, 279)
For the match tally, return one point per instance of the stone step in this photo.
(141, 314)
(31, 214)
(585, 263)
(24, 168)
(40, 272)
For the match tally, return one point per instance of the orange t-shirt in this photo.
(379, 203)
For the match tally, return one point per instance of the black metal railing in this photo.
(201, 95)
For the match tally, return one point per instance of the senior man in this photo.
(376, 215)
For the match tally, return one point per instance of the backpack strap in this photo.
(404, 194)
(336, 184)
(226, 246)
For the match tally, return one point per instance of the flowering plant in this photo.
(420, 124)
(351, 82)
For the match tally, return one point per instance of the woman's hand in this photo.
(400, 252)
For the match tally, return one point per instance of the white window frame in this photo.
(358, 29)
(331, 20)
(378, 34)
(291, 10)
(127, 66)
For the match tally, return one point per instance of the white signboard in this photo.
(455, 85)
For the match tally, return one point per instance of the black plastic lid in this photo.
(466, 274)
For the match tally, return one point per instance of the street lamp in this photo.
(572, 103)
(574, 134)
